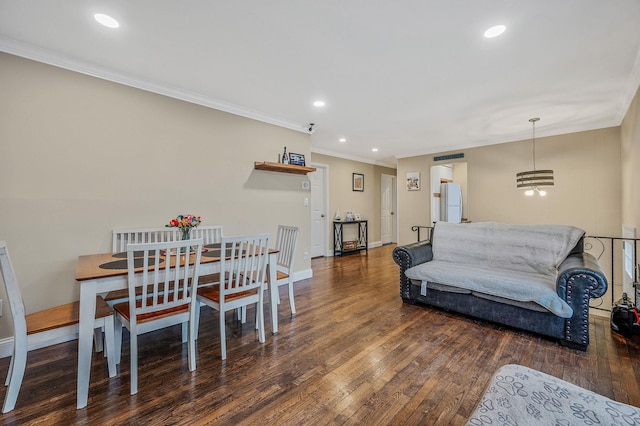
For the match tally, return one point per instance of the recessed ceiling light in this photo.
(374, 149)
(318, 104)
(495, 31)
(106, 20)
(342, 140)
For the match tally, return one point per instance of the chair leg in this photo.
(257, 318)
(197, 320)
(117, 339)
(260, 315)
(16, 371)
(6, 381)
(191, 348)
(109, 344)
(97, 339)
(223, 337)
(291, 301)
(185, 332)
(133, 340)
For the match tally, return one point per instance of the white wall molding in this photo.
(353, 157)
(6, 345)
(302, 275)
(39, 54)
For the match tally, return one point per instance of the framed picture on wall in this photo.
(413, 181)
(358, 182)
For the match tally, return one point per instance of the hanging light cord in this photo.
(533, 123)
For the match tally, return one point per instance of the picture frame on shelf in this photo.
(357, 183)
(296, 159)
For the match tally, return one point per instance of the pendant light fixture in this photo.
(533, 180)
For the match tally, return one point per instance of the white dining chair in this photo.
(122, 237)
(167, 295)
(44, 328)
(242, 277)
(286, 243)
(210, 234)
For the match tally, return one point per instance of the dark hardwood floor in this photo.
(353, 354)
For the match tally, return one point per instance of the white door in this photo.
(387, 203)
(318, 212)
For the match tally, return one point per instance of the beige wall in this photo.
(587, 176)
(342, 196)
(80, 156)
(630, 136)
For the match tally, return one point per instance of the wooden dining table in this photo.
(101, 273)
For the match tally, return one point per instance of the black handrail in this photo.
(428, 228)
(611, 263)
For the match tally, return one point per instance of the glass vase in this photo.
(186, 235)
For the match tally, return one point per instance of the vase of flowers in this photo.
(185, 223)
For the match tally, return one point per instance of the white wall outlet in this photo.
(306, 201)
(306, 255)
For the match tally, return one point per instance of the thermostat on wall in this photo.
(305, 184)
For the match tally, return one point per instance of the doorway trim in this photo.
(394, 207)
(325, 183)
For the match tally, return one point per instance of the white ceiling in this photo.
(407, 77)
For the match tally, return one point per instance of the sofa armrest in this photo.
(581, 272)
(408, 256)
(580, 278)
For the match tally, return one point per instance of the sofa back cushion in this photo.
(530, 248)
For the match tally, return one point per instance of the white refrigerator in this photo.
(450, 202)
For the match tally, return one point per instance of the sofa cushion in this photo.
(529, 248)
(532, 306)
(520, 286)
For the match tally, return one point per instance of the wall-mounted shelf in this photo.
(283, 168)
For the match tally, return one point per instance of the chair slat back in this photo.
(167, 280)
(122, 237)
(12, 289)
(286, 243)
(210, 234)
(244, 268)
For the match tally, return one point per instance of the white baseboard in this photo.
(302, 275)
(6, 345)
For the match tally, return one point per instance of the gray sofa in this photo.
(532, 277)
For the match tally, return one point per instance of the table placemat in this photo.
(123, 255)
(216, 253)
(122, 264)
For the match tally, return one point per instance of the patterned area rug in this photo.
(518, 395)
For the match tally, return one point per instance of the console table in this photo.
(342, 247)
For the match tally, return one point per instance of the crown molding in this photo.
(353, 157)
(49, 57)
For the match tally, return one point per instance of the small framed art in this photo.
(296, 159)
(413, 181)
(358, 182)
